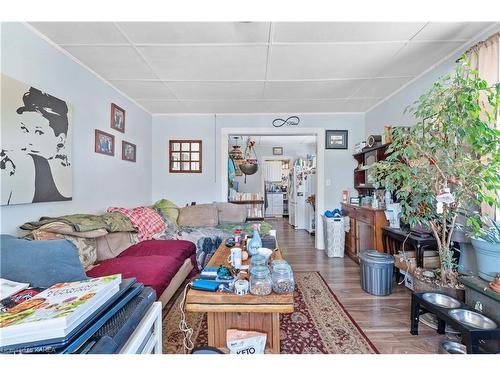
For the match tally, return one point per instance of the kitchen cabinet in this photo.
(366, 226)
(274, 204)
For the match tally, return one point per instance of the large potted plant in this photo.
(448, 161)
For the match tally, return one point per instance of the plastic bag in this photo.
(245, 342)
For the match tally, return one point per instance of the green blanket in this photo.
(111, 221)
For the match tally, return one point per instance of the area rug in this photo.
(319, 324)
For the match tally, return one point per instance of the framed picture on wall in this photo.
(104, 143)
(277, 150)
(128, 151)
(117, 118)
(336, 140)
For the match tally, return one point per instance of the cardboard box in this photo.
(409, 264)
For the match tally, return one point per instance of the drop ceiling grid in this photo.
(351, 68)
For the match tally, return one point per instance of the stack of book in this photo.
(55, 312)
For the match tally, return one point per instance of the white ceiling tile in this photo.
(329, 61)
(299, 106)
(287, 32)
(164, 106)
(196, 32)
(416, 57)
(360, 104)
(380, 87)
(452, 30)
(312, 89)
(144, 89)
(112, 62)
(80, 32)
(207, 62)
(222, 106)
(217, 90)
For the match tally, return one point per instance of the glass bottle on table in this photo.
(255, 242)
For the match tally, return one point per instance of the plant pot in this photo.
(249, 169)
(467, 264)
(487, 257)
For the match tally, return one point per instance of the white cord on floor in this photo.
(183, 326)
(405, 259)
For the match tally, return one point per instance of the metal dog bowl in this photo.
(472, 319)
(441, 300)
(451, 347)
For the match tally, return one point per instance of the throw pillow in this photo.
(167, 209)
(200, 215)
(231, 213)
(39, 263)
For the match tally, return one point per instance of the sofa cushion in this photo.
(200, 215)
(39, 263)
(112, 245)
(230, 213)
(173, 248)
(154, 271)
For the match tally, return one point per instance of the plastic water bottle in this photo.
(255, 242)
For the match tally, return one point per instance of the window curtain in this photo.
(485, 58)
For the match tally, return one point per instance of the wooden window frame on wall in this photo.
(170, 158)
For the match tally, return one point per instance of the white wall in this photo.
(206, 187)
(183, 188)
(99, 181)
(391, 111)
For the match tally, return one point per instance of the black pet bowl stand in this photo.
(470, 335)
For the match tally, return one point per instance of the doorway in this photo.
(317, 133)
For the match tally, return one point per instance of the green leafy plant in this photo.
(451, 155)
(490, 230)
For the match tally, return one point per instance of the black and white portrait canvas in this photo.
(35, 161)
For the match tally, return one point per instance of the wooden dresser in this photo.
(366, 229)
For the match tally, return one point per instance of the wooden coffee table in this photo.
(248, 312)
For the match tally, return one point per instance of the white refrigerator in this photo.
(297, 199)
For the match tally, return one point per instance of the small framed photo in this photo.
(336, 140)
(104, 143)
(117, 118)
(277, 150)
(128, 151)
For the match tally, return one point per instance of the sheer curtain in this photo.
(485, 58)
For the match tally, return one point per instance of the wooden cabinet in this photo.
(365, 231)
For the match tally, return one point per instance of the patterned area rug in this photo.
(319, 324)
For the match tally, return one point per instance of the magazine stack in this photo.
(55, 312)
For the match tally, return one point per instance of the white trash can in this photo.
(334, 229)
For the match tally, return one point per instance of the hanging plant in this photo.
(250, 164)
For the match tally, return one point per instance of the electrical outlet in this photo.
(328, 182)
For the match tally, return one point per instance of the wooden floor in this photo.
(385, 320)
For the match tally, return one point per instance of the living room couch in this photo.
(160, 264)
